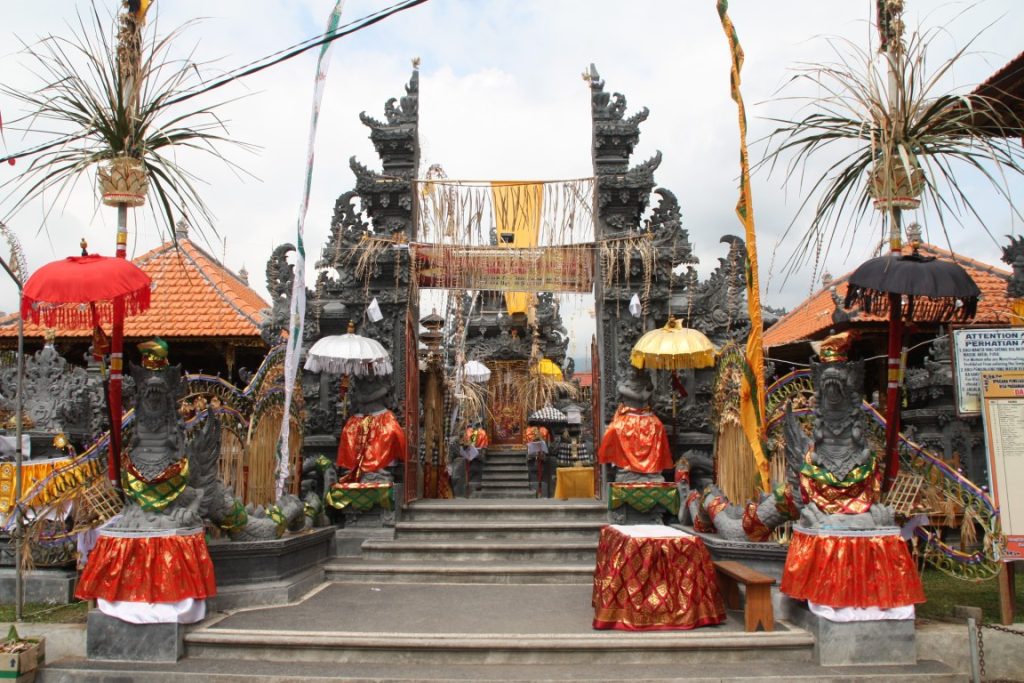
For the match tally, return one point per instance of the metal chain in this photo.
(1004, 629)
(981, 643)
(981, 654)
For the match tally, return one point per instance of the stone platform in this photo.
(256, 573)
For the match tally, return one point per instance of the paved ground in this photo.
(437, 608)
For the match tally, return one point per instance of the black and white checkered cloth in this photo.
(573, 454)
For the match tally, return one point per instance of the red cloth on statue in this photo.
(636, 441)
(851, 570)
(475, 436)
(370, 443)
(148, 569)
(533, 434)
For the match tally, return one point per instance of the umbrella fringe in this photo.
(80, 315)
(681, 361)
(919, 308)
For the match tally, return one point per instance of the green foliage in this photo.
(39, 613)
(943, 592)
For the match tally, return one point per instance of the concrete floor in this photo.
(522, 609)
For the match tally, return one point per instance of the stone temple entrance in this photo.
(507, 419)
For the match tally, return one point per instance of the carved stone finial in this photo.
(181, 229)
(243, 274)
(826, 280)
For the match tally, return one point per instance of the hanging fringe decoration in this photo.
(78, 315)
(736, 469)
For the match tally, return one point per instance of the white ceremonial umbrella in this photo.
(348, 354)
(476, 372)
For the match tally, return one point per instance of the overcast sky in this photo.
(501, 97)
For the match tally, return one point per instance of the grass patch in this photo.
(943, 592)
(43, 613)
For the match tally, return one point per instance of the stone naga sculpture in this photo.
(172, 483)
(833, 478)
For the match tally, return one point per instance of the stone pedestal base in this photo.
(274, 572)
(627, 515)
(112, 639)
(47, 584)
(854, 643)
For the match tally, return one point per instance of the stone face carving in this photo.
(280, 278)
(931, 419)
(1013, 255)
(379, 206)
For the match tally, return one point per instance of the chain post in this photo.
(974, 642)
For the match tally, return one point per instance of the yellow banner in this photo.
(752, 391)
(517, 207)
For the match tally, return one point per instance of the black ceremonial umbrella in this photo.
(915, 288)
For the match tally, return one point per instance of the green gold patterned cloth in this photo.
(643, 497)
(159, 492)
(361, 497)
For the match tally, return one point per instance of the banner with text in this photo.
(979, 350)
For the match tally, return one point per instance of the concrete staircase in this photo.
(526, 540)
(477, 590)
(505, 475)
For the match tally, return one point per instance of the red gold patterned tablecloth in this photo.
(652, 577)
(148, 569)
(849, 569)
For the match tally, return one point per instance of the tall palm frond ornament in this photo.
(902, 146)
(893, 140)
(115, 100)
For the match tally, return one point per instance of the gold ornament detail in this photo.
(123, 180)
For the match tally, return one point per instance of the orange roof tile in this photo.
(193, 296)
(813, 317)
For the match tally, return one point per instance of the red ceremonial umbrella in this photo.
(84, 292)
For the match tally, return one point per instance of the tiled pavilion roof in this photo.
(194, 297)
(812, 319)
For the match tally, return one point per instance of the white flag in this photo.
(373, 311)
(634, 306)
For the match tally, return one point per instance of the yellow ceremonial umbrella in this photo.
(547, 367)
(673, 347)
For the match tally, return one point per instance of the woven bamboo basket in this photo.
(123, 181)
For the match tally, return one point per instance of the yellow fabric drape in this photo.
(752, 390)
(517, 208)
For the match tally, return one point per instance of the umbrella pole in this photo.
(19, 455)
(116, 357)
(892, 395)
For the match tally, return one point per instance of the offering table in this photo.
(653, 577)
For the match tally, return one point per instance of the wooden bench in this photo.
(757, 614)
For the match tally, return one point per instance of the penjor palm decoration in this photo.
(899, 141)
(119, 101)
(892, 138)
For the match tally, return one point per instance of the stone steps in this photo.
(510, 551)
(503, 530)
(359, 570)
(470, 511)
(221, 669)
